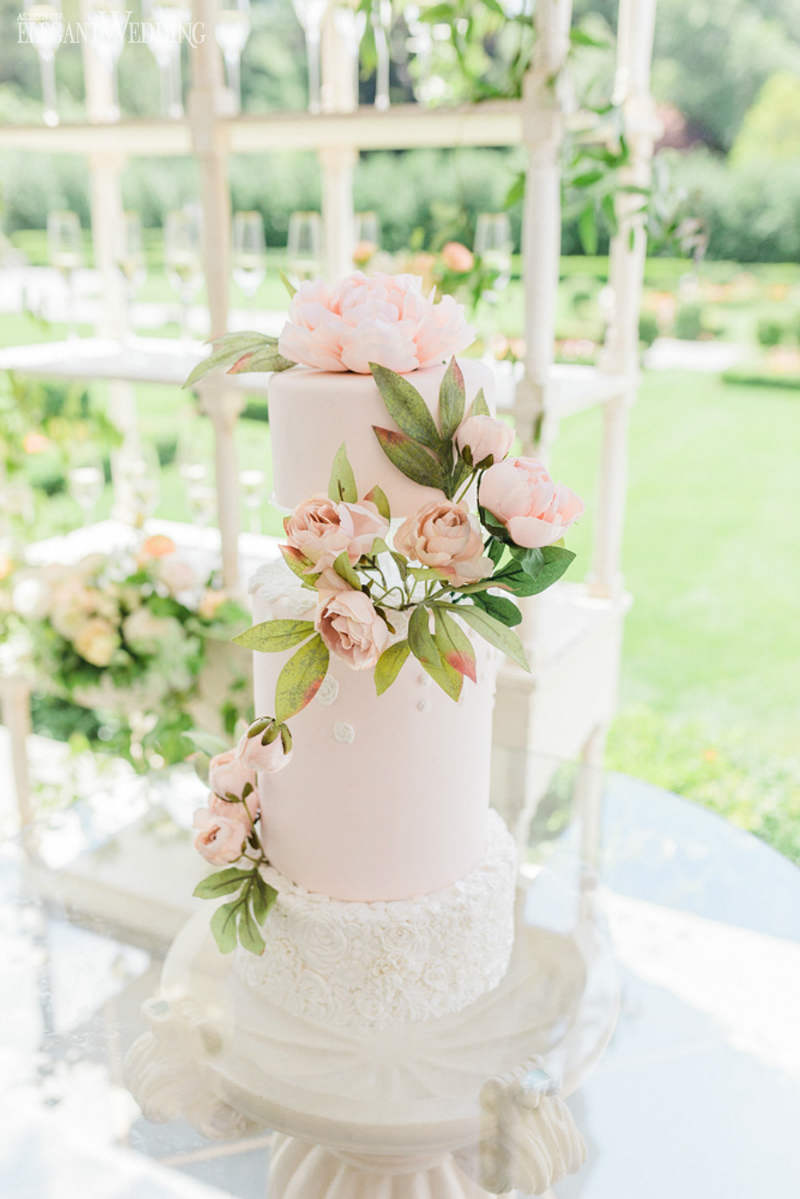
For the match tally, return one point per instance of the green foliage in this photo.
(770, 332)
(342, 485)
(689, 322)
(648, 328)
(770, 131)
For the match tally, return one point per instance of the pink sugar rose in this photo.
(486, 437)
(322, 529)
(229, 774)
(381, 318)
(443, 535)
(351, 628)
(456, 257)
(521, 495)
(268, 758)
(220, 838)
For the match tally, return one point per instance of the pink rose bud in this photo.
(485, 437)
(220, 839)
(456, 257)
(228, 774)
(443, 535)
(351, 628)
(266, 746)
(521, 495)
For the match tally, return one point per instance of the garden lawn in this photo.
(710, 700)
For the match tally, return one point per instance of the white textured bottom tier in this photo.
(349, 964)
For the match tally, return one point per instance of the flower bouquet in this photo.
(127, 635)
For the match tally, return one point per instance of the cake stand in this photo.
(462, 1107)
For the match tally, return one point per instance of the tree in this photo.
(771, 128)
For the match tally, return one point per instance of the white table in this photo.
(697, 1094)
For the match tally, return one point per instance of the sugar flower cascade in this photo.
(446, 574)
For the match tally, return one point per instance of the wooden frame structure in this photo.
(573, 635)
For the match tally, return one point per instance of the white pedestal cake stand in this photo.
(462, 1107)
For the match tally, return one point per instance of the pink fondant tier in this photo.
(385, 797)
(312, 412)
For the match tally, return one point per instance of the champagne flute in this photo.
(249, 252)
(66, 254)
(45, 27)
(106, 25)
(367, 238)
(305, 245)
(493, 245)
(310, 14)
(252, 483)
(182, 259)
(194, 468)
(135, 470)
(130, 260)
(163, 31)
(232, 30)
(86, 486)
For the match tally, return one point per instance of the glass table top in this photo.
(696, 1093)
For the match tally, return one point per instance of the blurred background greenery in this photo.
(710, 701)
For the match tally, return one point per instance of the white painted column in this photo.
(105, 193)
(543, 132)
(337, 163)
(207, 103)
(628, 252)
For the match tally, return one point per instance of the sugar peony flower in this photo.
(521, 495)
(322, 529)
(456, 257)
(220, 838)
(270, 758)
(228, 774)
(96, 641)
(443, 535)
(381, 318)
(351, 628)
(486, 437)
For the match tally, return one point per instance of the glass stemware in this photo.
(163, 31)
(86, 486)
(135, 471)
(493, 245)
(232, 30)
(194, 469)
(44, 26)
(381, 27)
(106, 22)
(253, 482)
(248, 252)
(130, 260)
(182, 259)
(310, 14)
(66, 254)
(367, 238)
(305, 245)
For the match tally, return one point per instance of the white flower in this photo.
(146, 633)
(96, 641)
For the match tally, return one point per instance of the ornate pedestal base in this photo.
(468, 1106)
(300, 1170)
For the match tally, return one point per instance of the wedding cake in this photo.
(364, 879)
